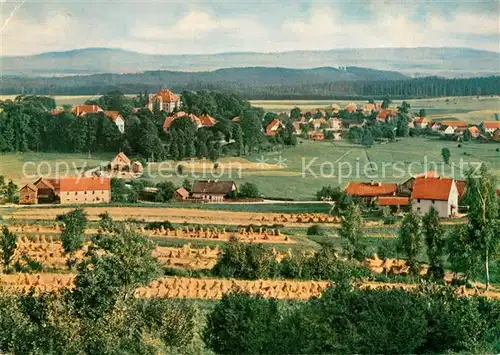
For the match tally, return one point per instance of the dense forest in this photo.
(26, 124)
(262, 83)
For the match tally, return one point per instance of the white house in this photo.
(117, 119)
(440, 193)
(164, 100)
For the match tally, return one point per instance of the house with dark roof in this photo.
(212, 190)
(440, 193)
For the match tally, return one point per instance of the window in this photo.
(433, 201)
(418, 209)
(418, 200)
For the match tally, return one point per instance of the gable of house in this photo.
(273, 127)
(121, 160)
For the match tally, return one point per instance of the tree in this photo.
(8, 245)
(11, 193)
(106, 222)
(248, 190)
(187, 185)
(295, 113)
(483, 213)
(385, 104)
(434, 239)
(404, 108)
(73, 233)
(422, 113)
(115, 266)
(410, 236)
(351, 230)
(445, 153)
(242, 323)
(165, 191)
(367, 139)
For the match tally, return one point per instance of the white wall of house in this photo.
(120, 123)
(444, 208)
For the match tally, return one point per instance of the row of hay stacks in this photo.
(206, 288)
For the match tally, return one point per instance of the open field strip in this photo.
(204, 288)
(174, 215)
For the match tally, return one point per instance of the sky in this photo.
(203, 27)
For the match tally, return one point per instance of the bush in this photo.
(242, 323)
(248, 190)
(246, 261)
(459, 145)
(315, 229)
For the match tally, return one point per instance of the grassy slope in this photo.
(289, 182)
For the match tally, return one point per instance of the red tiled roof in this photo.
(167, 96)
(422, 120)
(491, 124)
(182, 192)
(80, 110)
(364, 189)
(386, 113)
(432, 189)
(273, 126)
(81, 183)
(207, 120)
(454, 123)
(474, 131)
(393, 201)
(112, 114)
(351, 107)
(169, 119)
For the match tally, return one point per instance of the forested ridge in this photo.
(262, 83)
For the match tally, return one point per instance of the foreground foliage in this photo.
(347, 319)
(100, 315)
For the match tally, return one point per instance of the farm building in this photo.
(212, 190)
(369, 191)
(474, 131)
(28, 195)
(121, 162)
(181, 194)
(440, 193)
(491, 126)
(395, 203)
(387, 115)
(164, 100)
(66, 190)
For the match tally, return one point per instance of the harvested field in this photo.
(177, 215)
(50, 254)
(205, 288)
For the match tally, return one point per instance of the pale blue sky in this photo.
(174, 27)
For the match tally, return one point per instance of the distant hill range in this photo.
(413, 62)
